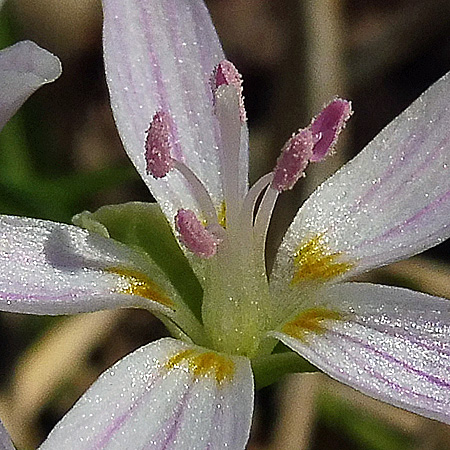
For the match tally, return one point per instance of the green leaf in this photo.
(144, 226)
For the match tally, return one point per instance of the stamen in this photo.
(248, 207)
(308, 145)
(194, 235)
(293, 161)
(159, 145)
(264, 215)
(198, 189)
(226, 73)
(327, 126)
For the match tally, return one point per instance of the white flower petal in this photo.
(391, 201)
(5, 440)
(160, 55)
(390, 343)
(24, 67)
(52, 268)
(166, 395)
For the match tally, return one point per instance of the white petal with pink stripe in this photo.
(160, 57)
(165, 396)
(388, 342)
(53, 268)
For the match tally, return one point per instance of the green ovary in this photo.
(236, 311)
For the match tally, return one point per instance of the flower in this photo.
(179, 110)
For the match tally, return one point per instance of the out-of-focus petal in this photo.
(5, 440)
(24, 67)
(390, 202)
(390, 343)
(166, 395)
(160, 56)
(52, 268)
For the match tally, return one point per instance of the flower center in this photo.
(230, 237)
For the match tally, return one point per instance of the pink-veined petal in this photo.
(390, 343)
(24, 67)
(390, 202)
(167, 395)
(52, 268)
(159, 57)
(5, 440)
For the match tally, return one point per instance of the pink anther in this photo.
(327, 126)
(194, 235)
(293, 160)
(159, 145)
(226, 73)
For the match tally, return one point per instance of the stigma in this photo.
(226, 74)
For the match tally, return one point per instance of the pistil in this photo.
(228, 116)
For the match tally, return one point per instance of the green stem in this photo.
(268, 369)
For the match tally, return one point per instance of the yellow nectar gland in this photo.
(135, 283)
(203, 364)
(310, 321)
(222, 215)
(314, 261)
